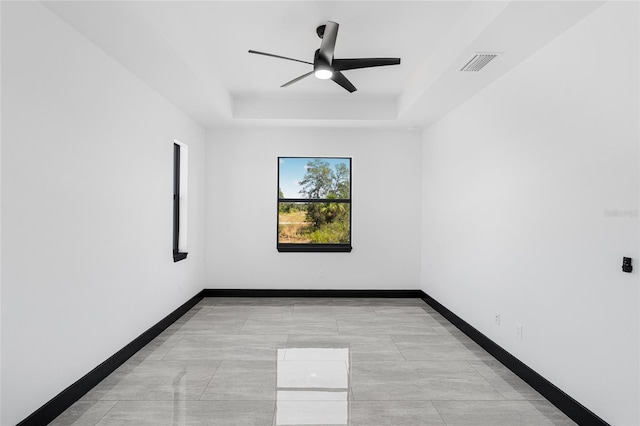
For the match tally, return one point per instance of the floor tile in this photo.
(495, 413)
(243, 380)
(159, 347)
(552, 413)
(211, 413)
(437, 347)
(84, 413)
(337, 301)
(209, 326)
(386, 326)
(361, 348)
(389, 310)
(385, 413)
(227, 347)
(246, 311)
(508, 384)
(157, 381)
(312, 413)
(419, 380)
(397, 301)
(426, 389)
(271, 325)
(307, 310)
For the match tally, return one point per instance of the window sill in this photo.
(178, 256)
(314, 248)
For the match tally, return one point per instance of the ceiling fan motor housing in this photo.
(319, 63)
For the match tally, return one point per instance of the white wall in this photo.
(87, 154)
(0, 220)
(517, 185)
(242, 210)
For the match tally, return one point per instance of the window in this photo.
(180, 157)
(314, 204)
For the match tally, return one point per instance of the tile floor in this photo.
(311, 361)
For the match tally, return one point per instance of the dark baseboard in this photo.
(58, 404)
(569, 406)
(228, 292)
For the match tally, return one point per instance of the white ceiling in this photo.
(194, 53)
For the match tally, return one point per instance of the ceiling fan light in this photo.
(323, 73)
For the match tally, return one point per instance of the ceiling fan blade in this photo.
(328, 42)
(289, 83)
(339, 78)
(352, 64)
(278, 56)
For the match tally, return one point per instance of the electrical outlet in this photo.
(518, 331)
(496, 319)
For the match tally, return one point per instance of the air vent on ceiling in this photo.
(479, 61)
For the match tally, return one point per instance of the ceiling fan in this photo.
(325, 66)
